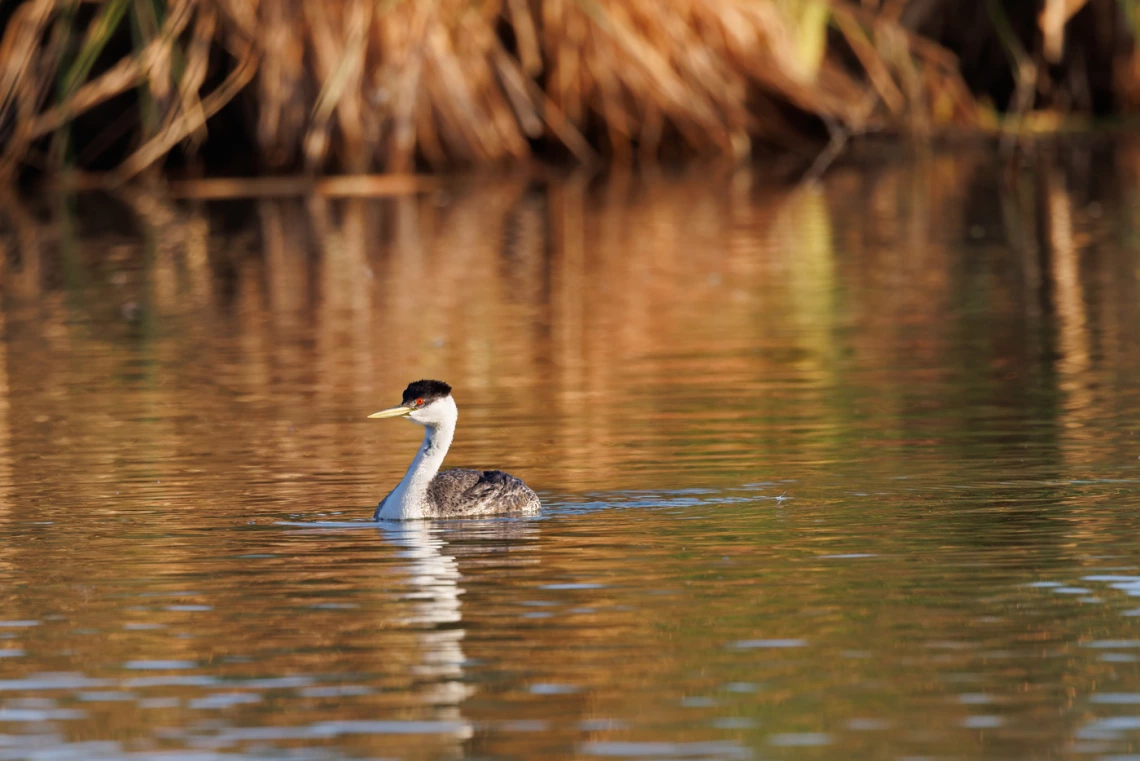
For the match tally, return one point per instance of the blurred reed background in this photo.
(381, 85)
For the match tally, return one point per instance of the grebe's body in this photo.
(424, 492)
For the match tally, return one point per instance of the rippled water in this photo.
(846, 471)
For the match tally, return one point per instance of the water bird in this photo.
(424, 492)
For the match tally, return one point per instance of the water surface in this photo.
(844, 471)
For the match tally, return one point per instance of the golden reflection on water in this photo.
(662, 358)
(1074, 359)
(584, 327)
(5, 427)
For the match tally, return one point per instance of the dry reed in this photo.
(366, 85)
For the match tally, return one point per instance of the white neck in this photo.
(408, 500)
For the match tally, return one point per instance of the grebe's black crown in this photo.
(428, 390)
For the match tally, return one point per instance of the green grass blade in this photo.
(100, 31)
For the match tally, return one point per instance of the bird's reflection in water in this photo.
(433, 591)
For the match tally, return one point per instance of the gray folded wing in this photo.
(477, 492)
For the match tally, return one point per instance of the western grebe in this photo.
(424, 492)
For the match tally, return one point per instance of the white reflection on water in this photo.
(433, 589)
(692, 750)
(435, 612)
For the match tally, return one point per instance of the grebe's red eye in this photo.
(419, 402)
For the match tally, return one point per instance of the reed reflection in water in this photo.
(601, 330)
(814, 459)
